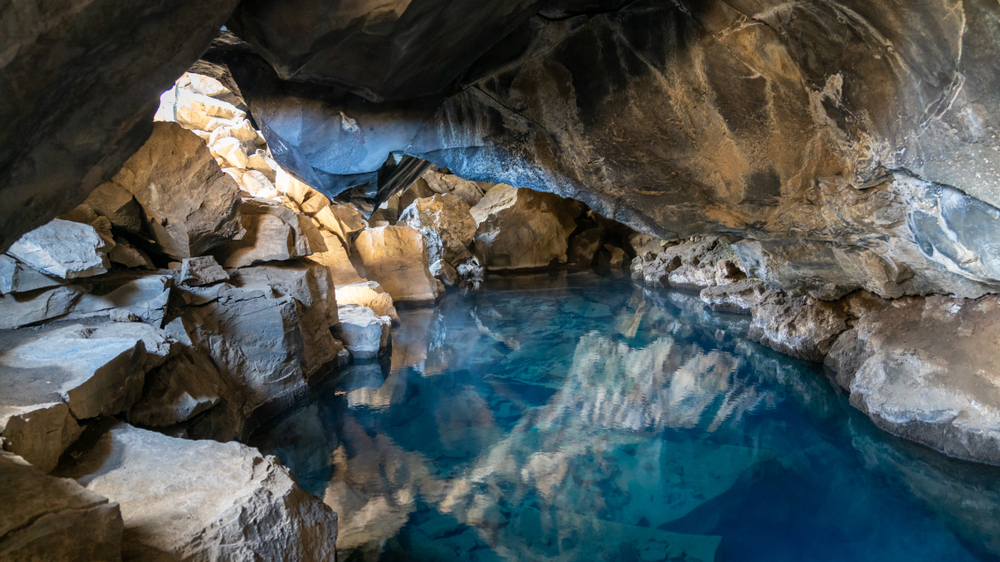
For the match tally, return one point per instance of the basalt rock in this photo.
(395, 257)
(273, 233)
(64, 249)
(521, 229)
(364, 333)
(802, 327)
(697, 264)
(368, 294)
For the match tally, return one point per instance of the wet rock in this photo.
(189, 204)
(183, 387)
(395, 257)
(691, 265)
(446, 225)
(740, 297)
(24, 309)
(369, 294)
(47, 518)
(203, 270)
(64, 249)
(926, 370)
(273, 233)
(15, 277)
(521, 229)
(364, 333)
(210, 501)
(802, 327)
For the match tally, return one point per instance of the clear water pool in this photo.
(578, 418)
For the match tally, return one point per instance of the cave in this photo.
(432, 280)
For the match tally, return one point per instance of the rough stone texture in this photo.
(65, 249)
(183, 387)
(47, 518)
(336, 259)
(802, 327)
(521, 229)
(39, 433)
(394, 256)
(117, 204)
(364, 333)
(145, 297)
(125, 254)
(202, 270)
(741, 297)
(438, 182)
(74, 110)
(189, 204)
(446, 225)
(927, 370)
(273, 233)
(692, 265)
(203, 500)
(369, 294)
(15, 277)
(18, 310)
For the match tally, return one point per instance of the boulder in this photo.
(54, 519)
(183, 387)
(189, 204)
(39, 433)
(437, 181)
(369, 294)
(15, 277)
(364, 333)
(521, 229)
(64, 249)
(394, 256)
(696, 264)
(802, 327)
(203, 270)
(928, 369)
(125, 254)
(273, 233)
(24, 309)
(145, 297)
(336, 259)
(117, 204)
(203, 500)
(740, 297)
(446, 225)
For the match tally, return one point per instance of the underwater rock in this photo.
(48, 518)
(64, 249)
(364, 333)
(189, 204)
(211, 500)
(927, 370)
(521, 229)
(395, 257)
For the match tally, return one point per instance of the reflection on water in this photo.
(581, 419)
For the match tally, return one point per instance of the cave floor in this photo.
(575, 417)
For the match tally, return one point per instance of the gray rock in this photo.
(802, 327)
(64, 249)
(395, 257)
(39, 433)
(689, 265)
(927, 370)
(24, 309)
(47, 518)
(15, 277)
(364, 333)
(125, 254)
(145, 297)
(521, 229)
(273, 233)
(740, 297)
(183, 387)
(202, 270)
(203, 500)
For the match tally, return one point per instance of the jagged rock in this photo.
(583, 246)
(691, 265)
(364, 333)
(336, 259)
(118, 205)
(521, 228)
(438, 182)
(418, 190)
(741, 297)
(802, 327)
(190, 205)
(145, 297)
(394, 256)
(183, 387)
(125, 254)
(24, 309)
(446, 225)
(273, 233)
(369, 294)
(65, 249)
(342, 219)
(52, 377)
(927, 370)
(202, 270)
(54, 519)
(15, 277)
(210, 501)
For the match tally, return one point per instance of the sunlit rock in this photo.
(446, 225)
(210, 500)
(47, 518)
(273, 233)
(395, 257)
(190, 205)
(369, 294)
(521, 228)
(64, 249)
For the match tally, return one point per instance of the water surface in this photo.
(578, 418)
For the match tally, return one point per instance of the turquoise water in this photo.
(579, 418)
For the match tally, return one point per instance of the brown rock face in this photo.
(521, 228)
(395, 257)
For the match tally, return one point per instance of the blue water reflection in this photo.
(577, 418)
